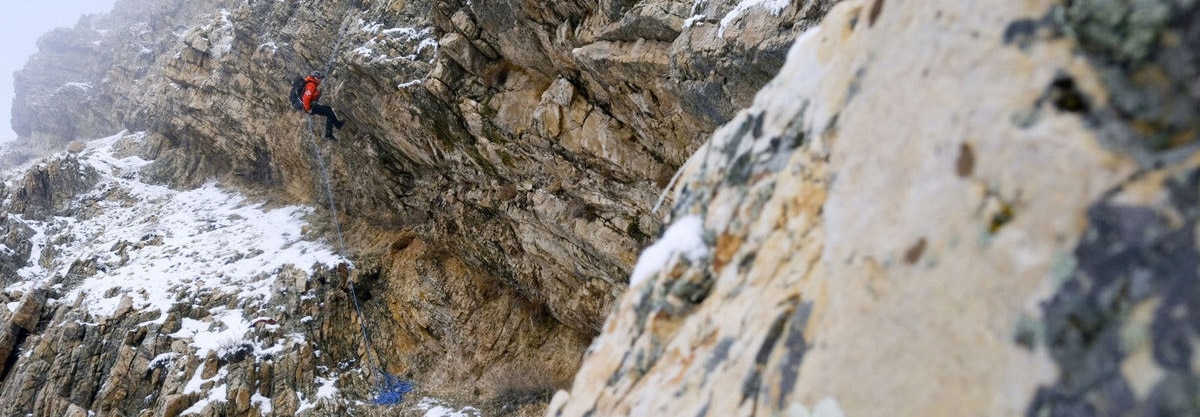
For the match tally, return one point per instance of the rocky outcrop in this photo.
(15, 248)
(19, 323)
(930, 211)
(137, 363)
(84, 81)
(50, 189)
(60, 103)
(137, 300)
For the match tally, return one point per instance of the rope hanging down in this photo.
(336, 45)
(391, 387)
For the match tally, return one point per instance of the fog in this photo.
(20, 26)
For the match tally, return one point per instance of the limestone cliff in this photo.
(536, 140)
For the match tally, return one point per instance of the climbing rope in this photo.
(337, 225)
(391, 387)
(336, 46)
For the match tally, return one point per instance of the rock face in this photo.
(133, 363)
(931, 211)
(935, 208)
(509, 131)
(15, 247)
(494, 185)
(84, 80)
(50, 189)
(123, 298)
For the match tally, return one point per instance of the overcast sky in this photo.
(21, 23)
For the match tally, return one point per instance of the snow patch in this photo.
(196, 384)
(826, 407)
(394, 45)
(230, 329)
(215, 395)
(271, 46)
(685, 237)
(327, 389)
(74, 85)
(406, 32)
(437, 408)
(224, 44)
(774, 6)
(263, 403)
(164, 360)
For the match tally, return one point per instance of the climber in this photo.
(311, 94)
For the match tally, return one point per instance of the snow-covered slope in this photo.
(151, 243)
(201, 302)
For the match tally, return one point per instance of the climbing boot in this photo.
(329, 136)
(338, 124)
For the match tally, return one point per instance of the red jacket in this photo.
(311, 93)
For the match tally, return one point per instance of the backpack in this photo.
(298, 85)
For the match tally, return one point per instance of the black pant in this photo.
(331, 119)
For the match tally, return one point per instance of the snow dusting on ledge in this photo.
(773, 6)
(437, 408)
(685, 236)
